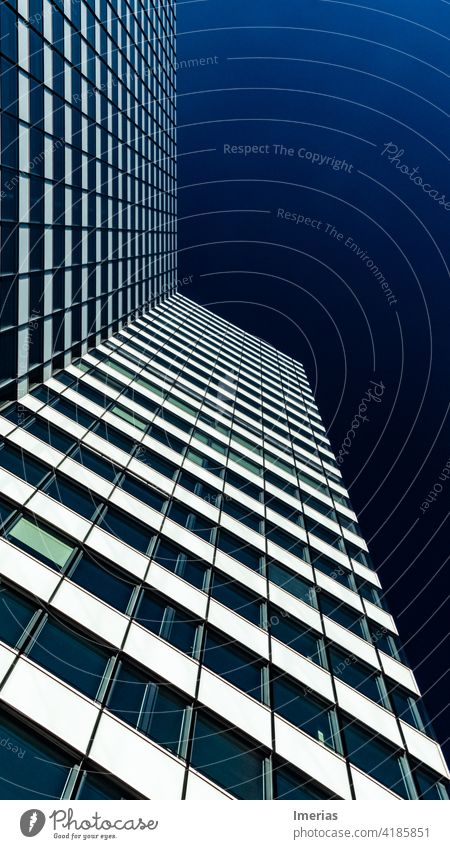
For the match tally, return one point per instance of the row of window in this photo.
(34, 767)
(164, 714)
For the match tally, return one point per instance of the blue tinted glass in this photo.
(22, 465)
(15, 615)
(239, 550)
(233, 663)
(75, 659)
(167, 621)
(356, 675)
(31, 768)
(48, 433)
(157, 462)
(152, 708)
(301, 708)
(104, 582)
(429, 785)
(75, 412)
(112, 435)
(342, 614)
(232, 595)
(95, 463)
(227, 759)
(292, 583)
(144, 493)
(289, 784)
(126, 529)
(375, 757)
(5, 512)
(79, 500)
(98, 787)
(284, 627)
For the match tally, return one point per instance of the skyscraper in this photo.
(189, 609)
(87, 176)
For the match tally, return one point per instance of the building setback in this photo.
(87, 176)
(188, 607)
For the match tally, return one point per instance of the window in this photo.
(146, 494)
(192, 570)
(74, 412)
(23, 465)
(171, 418)
(386, 642)
(176, 626)
(95, 463)
(358, 554)
(245, 463)
(202, 490)
(72, 496)
(153, 708)
(130, 417)
(157, 462)
(114, 436)
(41, 542)
(286, 541)
(53, 436)
(243, 514)
(343, 615)
(290, 784)
(239, 550)
(233, 762)
(103, 581)
(409, 709)
(247, 487)
(325, 534)
(16, 614)
(166, 438)
(292, 583)
(192, 521)
(205, 462)
(369, 592)
(234, 663)
(97, 786)
(286, 486)
(44, 773)
(318, 505)
(284, 509)
(357, 675)
(6, 512)
(430, 786)
(370, 753)
(126, 529)
(71, 657)
(299, 637)
(237, 598)
(333, 570)
(298, 706)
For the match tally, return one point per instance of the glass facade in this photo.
(87, 176)
(182, 571)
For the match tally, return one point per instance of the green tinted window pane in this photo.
(121, 369)
(150, 386)
(46, 545)
(131, 418)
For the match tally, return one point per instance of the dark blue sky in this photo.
(337, 252)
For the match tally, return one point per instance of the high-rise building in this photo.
(87, 176)
(188, 607)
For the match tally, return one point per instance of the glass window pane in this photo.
(49, 433)
(22, 465)
(98, 787)
(284, 627)
(356, 675)
(227, 759)
(239, 550)
(372, 755)
(41, 542)
(289, 784)
(104, 582)
(31, 767)
(15, 615)
(79, 500)
(302, 709)
(127, 530)
(169, 622)
(73, 658)
(238, 666)
(292, 583)
(237, 598)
